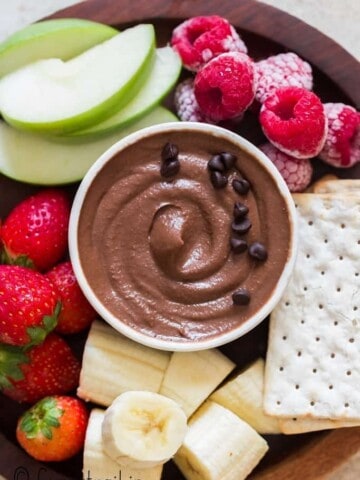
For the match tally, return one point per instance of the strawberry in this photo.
(35, 232)
(53, 429)
(46, 369)
(76, 313)
(29, 306)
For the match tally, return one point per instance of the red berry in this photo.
(35, 232)
(282, 70)
(199, 39)
(225, 87)
(53, 429)
(296, 173)
(187, 108)
(47, 369)
(342, 144)
(29, 306)
(293, 119)
(76, 312)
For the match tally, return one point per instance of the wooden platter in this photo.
(266, 31)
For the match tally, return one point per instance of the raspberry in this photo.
(293, 119)
(199, 39)
(283, 70)
(225, 86)
(342, 144)
(187, 108)
(296, 173)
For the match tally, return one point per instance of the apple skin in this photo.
(162, 78)
(34, 159)
(89, 116)
(59, 38)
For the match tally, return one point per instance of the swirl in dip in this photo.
(156, 250)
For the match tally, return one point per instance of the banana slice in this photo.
(97, 465)
(219, 446)
(191, 376)
(143, 429)
(113, 364)
(243, 395)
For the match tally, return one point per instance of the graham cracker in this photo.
(333, 185)
(313, 359)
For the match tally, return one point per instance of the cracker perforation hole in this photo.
(310, 222)
(278, 402)
(299, 353)
(341, 257)
(284, 337)
(348, 373)
(305, 288)
(351, 340)
(308, 255)
(297, 387)
(321, 306)
(346, 405)
(338, 289)
(336, 323)
(343, 225)
(332, 355)
(312, 403)
(317, 339)
(356, 274)
(325, 240)
(281, 369)
(355, 308)
(322, 272)
(331, 387)
(314, 370)
(302, 321)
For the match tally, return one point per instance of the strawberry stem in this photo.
(41, 418)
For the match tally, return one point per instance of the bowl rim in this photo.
(137, 335)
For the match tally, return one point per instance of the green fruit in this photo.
(61, 38)
(33, 159)
(52, 96)
(162, 78)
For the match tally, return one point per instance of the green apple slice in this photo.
(55, 97)
(163, 76)
(60, 38)
(31, 158)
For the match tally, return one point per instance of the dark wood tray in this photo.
(266, 31)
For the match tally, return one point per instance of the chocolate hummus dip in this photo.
(183, 235)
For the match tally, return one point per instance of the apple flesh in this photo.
(52, 96)
(31, 158)
(162, 78)
(60, 38)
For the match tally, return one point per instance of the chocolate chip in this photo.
(241, 226)
(170, 151)
(258, 251)
(241, 297)
(218, 180)
(170, 167)
(216, 163)
(240, 210)
(228, 159)
(241, 186)
(238, 245)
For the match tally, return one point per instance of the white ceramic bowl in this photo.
(185, 128)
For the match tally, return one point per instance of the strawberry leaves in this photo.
(41, 418)
(11, 359)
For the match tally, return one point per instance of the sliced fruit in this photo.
(219, 446)
(162, 78)
(59, 38)
(32, 159)
(55, 97)
(243, 395)
(124, 365)
(53, 429)
(192, 376)
(143, 429)
(98, 465)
